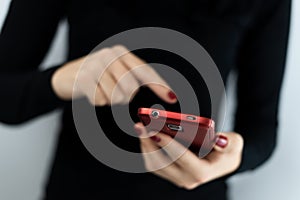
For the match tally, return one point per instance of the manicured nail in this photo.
(172, 95)
(138, 131)
(222, 141)
(155, 138)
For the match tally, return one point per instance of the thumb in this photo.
(228, 142)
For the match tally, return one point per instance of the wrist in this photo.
(63, 80)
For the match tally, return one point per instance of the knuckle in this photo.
(199, 180)
(129, 89)
(238, 140)
(236, 166)
(196, 181)
(192, 185)
(147, 68)
(119, 47)
(109, 59)
(99, 103)
(91, 100)
(117, 71)
(144, 143)
(117, 98)
(99, 100)
(189, 186)
(84, 84)
(150, 168)
(105, 52)
(180, 184)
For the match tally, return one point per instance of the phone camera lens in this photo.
(155, 114)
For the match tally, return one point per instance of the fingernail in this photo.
(155, 138)
(138, 131)
(222, 141)
(172, 95)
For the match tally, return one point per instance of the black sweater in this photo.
(247, 35)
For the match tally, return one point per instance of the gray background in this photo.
(26, 150)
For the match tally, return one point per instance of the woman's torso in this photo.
(217, 25)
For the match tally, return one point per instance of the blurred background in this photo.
(26, 150)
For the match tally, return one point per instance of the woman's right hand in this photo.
(96, 76)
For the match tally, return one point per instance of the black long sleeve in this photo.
(249, 34)
(260, 74)
(25, 91)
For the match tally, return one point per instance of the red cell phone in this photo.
(198, 133)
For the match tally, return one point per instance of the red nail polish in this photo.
(172, 95)
(138, 131)
(222, 141)
(155, 138)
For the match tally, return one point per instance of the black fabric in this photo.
(247, 35)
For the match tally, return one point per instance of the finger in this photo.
(196, 169)
(226, 159)
(93, 93)
(155, 160)
(146, 74)
(190, 173)
(180, 154)
(113, 93)
(228, 142)
(144, 137)
(153, 156)
(124, 80)
(119, 72)
(150, 78)
(100, 99)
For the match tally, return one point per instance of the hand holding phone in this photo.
(197, 133)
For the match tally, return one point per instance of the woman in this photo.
(249, 36)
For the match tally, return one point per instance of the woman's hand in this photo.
(181, 166)
(100, 77)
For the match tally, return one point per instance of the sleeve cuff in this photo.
(47, 95)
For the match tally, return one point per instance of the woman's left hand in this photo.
(182, 167)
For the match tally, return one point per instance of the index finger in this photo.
(146, 74)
